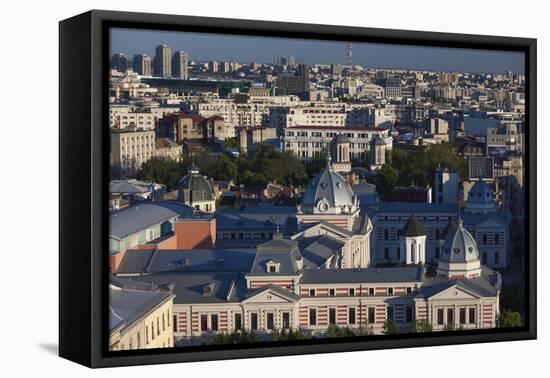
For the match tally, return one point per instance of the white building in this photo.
(307, 142)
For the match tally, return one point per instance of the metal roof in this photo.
(367, 275)
(138, 217)
(128, 306)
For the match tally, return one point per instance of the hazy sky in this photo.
(245, 49)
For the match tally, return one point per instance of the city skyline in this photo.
(245, 49)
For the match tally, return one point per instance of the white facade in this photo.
(307, 142)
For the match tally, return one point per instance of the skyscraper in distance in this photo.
(142, 64)
(180, 65)
(163, 63)
(119, 62)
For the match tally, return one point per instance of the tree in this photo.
(235, 337)
(161, 170)
(289, 334)
(509, 319)
(224, 168)
(335, 331)
(388, 178)
(231, 143)
(421, 326)
(449, 327)
(390, 327)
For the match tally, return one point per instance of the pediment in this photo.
(322, 229)
(270, 295)
(455, 292)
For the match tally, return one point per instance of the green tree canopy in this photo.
(390, 327)
(509, 319)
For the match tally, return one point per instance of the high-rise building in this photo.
(225, 67)
(163, 66)
(142, 64)
(213, 66)
(119, 62)
(180, 65)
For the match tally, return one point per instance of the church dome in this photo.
(480, 198)
(193, 187)
(460, 246)
(329, 192)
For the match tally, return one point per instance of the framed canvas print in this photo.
(234, 188)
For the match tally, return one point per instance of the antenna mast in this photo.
(350, 54)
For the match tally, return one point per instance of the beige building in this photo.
(130, 148)
(167, 149)
(140, 319)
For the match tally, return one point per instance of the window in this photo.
(351, 315)
(204, 322)
(409, 290)
(389, 312)
(386, 234)
(254, 321)
(312, 316)
(286, 320)
(472, 315)
(440, 316)
(497, 258)
(139, 340)
(272, 269)
(311, 292)
(437, 252)
(163, 323)
(152, 331)
(497, 240)
(370, 315)
(214, 322)
(331, 316)
(484, 258)
(270, 320)
(158, 326)
(332, 292)
(146, 334)
(408, 314)
(175, 323)
(351, 292)
(386, 253)
(450, 316)
(371, 290)
(390, 290)
(462, 315)
(484, 238)
(238, 321)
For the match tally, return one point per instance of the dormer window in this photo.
(273, 266)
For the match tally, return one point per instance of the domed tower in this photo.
(460, 256)
(340, 152)
(329, 197)
(195, 191)
(480, 199)
(378, 153)
(412, 239)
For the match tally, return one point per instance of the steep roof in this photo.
(413, 228)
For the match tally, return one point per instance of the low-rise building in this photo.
(140, 319)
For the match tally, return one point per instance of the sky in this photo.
(246, 49)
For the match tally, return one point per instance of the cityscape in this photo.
(310, 194)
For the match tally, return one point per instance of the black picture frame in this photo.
(83, 180)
